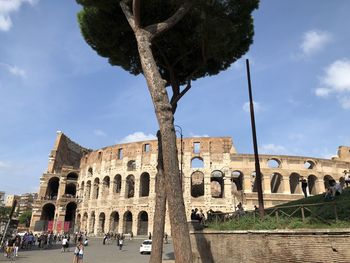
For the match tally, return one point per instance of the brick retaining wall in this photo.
(302, 246)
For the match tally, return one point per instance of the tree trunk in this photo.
(165, 117)
(160, 208)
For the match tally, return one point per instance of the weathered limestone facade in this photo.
(113, 188)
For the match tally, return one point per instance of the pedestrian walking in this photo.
(121, 243)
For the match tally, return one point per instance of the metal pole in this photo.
(14, 204)
(256, 154)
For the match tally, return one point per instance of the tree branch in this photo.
(136, 12)
(127, 13)
(175, 99)
(158, 28)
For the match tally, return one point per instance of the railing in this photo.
(326, 213)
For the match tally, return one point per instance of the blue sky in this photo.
(50, 80)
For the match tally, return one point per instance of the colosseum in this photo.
(113, 188)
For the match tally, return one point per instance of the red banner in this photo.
(50, 226)
(59, 226)
(66, 226)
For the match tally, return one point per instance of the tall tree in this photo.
(171, 43)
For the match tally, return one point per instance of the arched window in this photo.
(127, 218)
(197, 162)
(237, 180)
(217, 184)
(117, 183)
(114, 222)
(72, 176)
(52, 188)
(90, 172)
(130, 186)
(105, 186)
(294, 179)
(131, 166)
(71, 209)
(70, 190)
(311, 182)
(274, 163)
(96, 188)
(142, 228)
(144, 185)
(276, 183)
(197, 184)
(309, 164)
(101, 223)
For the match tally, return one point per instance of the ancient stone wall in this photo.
(299, 246)
(115, 186)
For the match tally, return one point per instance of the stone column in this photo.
(286, 184)
(247, 184)
(266, 184)
(319, 184)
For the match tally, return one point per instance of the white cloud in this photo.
(99, 132)
(345, 102)
(14, 70)
(257, 107)
(198, 136)
(4, 165)
(322, 92)
(272, 149)
(136, 137)
(336, 80)
(10, 6)
(314, 41)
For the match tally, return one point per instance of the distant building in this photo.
(2, 198)
(25, 202)
(10, 199)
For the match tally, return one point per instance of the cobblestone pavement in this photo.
(94, 253)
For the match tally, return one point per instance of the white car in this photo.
(146, 246)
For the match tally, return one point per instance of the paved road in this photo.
(94, 253)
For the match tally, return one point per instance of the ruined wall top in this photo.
(210, 145)
(344, 153)
(65, 153)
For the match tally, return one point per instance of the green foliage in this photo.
(212, 36)
(5, 212)
(322, 214)
(25, 218)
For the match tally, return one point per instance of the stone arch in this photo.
(197, 162)
(274, 163)
(90, 171)
(48, 212)
(96, 188)
(114, 222)
(237, 180)
(217, 184)
(127, 219)
(130, 186)
(326, 179)
(88, 189)
(105, 185)
(144, 184)
(52, 188)
(92, 222)
(197, 184)
(70, 190)
(142, 226)
(294, 179)
(69, 217)
(101, 223)
(131, 165)
(309, 164)
(47, 217)
(72, 176)
(311, 182)
(117, 184)
(276, 183)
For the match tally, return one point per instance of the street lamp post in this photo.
(181, 152)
